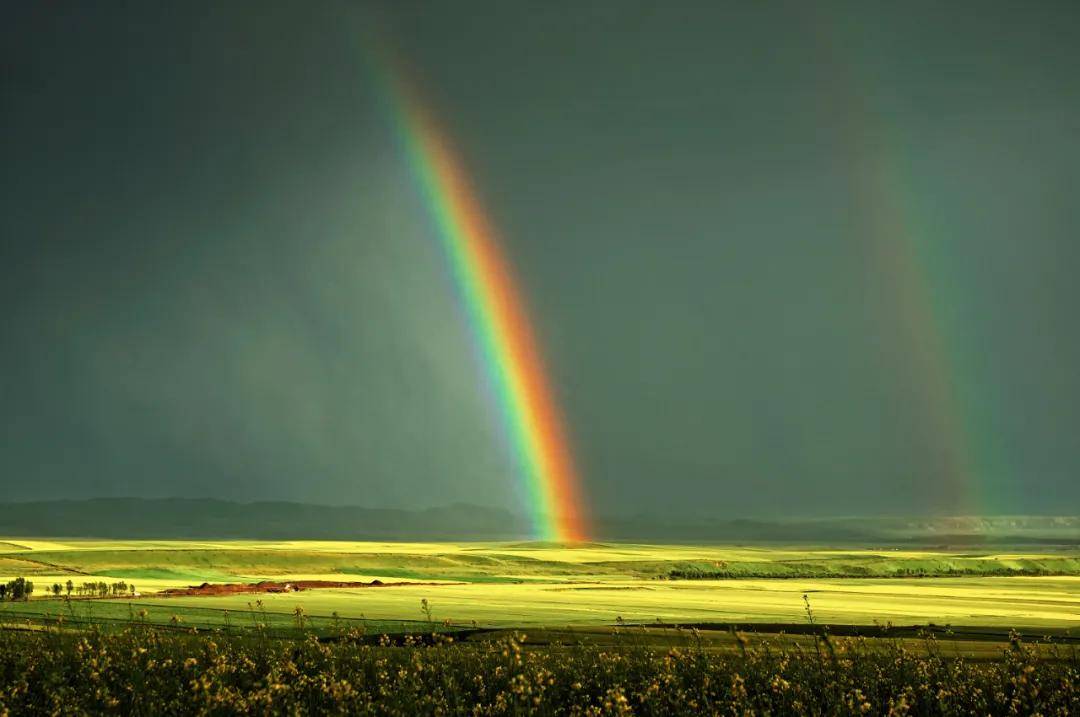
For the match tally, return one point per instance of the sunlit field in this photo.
(532, 585)
(468, 628)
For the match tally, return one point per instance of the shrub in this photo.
(140, 670)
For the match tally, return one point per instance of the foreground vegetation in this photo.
(143, 671)
(599, 620)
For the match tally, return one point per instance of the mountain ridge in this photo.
(208, 518)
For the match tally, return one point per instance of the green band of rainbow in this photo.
(924, 283)
(496, 311)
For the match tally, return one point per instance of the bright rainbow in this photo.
(496, 310)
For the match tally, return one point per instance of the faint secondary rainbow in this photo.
(496, 311)
(911, 254)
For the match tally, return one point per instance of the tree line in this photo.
(17, 589)
(21, 589)
(97, 589)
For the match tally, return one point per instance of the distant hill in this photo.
(183, 518)
(888, 530)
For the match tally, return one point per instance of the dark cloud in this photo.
(218, 279)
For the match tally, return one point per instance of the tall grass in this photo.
(146, 671)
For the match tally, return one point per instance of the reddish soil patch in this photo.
(271, 586)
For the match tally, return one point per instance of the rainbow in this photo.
(495, 308)
(911, 255)
(960, 402)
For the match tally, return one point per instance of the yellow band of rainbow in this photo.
(496, 311)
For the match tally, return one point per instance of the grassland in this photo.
(143, 671)
(523, 628)
(537, 585)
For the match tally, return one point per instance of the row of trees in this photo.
(17, 589)
(21, 589)
(100, 589)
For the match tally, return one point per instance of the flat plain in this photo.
(503, 585)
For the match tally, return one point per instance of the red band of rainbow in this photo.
(496, 311)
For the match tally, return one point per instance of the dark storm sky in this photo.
(218, 280)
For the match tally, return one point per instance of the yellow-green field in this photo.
(531, 584)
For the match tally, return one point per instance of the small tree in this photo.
(57, 588)
(20, 589)
(70, 586)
